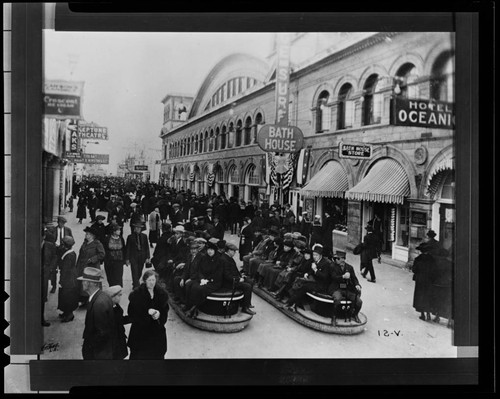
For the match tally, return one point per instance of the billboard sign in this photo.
(282, 79)
(277, 138)
(141, 168)
(62, 99)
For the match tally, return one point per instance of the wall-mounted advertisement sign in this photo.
(423, 113)
(282, 79)
(89, 158)
(355, 151)
(62, 99)
(276, 138)
(141, 168)
(419, 218)
(92, 132)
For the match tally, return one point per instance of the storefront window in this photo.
(337, 208)
(403, 226)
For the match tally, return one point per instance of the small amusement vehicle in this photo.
(219, 313)
(317, 311)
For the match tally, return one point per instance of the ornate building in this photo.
(376, 111)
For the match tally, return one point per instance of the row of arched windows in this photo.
(408, 83)
(219, 138)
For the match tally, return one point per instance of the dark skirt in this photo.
(153, 236)
(422, 299)
(81, 212)
(270, 275)
(114, 272)
(68, 299)
(441, 301)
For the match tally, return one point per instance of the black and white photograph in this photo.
(247, 195)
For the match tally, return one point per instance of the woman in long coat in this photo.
(209, 279)
(442, 284)
(147, 311)
(68, 291)
(154, 220)
(114, 259)
(81, 210)
(423, 269)
(91, 255)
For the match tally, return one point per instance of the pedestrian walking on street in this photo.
(423, 269)
(148, 310)
(91, 255)
(137, 252)
(98, 332)
(114, 259)
(154, 220)
(68, 283)
(81, 207)
(369, 250)
(120, 349)
(442, 287)
(60, 231)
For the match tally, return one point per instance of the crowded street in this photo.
(393, 328)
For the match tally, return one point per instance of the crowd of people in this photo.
(185, 256)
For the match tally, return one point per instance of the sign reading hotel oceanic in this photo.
(92, 132)
(423, 113)
(276, 138)
(356, 151)
(62, 99)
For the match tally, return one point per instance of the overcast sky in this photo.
(127, 74)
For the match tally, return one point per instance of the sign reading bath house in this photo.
(278, 138)
(423, 113)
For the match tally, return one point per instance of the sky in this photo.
(127, 74)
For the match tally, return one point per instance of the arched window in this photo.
(211, 141)
(372, 104)
(254, 178)
(223, 138)
(230, 141)
(205, 144)
(217, 139)
(442, 78)
(322, 113)
(345, 107)
(259, 120)
(239, 133)
(248, 131)
(234, 176)
(405, 85)
(200, 143)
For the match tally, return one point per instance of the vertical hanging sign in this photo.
(282, 80)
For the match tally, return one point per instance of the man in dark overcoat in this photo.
(99, 320)
(344, 285)
(232, 278)
(369, 251)
(137, 252)
(60, 231)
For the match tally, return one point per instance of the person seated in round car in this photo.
(270, 272)
(344, 286)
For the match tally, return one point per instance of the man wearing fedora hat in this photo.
(91, 254)
(136, 252)
(182, 283)
(177, 254)
(370, 249)
(99, 320)
(176, 217)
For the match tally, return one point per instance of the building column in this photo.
(51, 191)
(354, 217)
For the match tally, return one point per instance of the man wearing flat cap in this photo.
(178, 254)
(60, 231)
(98, 332)
(176, 217)
(182, 282)
(344, 285)
(260, 253)
(232, 278)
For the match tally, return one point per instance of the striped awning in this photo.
(330, 181)
(436, 177)
(385, 182)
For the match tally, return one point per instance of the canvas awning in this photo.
(385, 182)
(436, 177)
(330, 181)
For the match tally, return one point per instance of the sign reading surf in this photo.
(277, 138)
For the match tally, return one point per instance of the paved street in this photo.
(393, 329)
